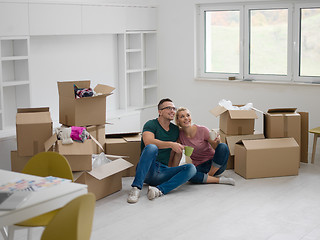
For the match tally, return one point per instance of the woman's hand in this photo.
(214, 143)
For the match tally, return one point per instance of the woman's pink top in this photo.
(202, 149)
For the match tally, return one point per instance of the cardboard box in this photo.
(282, 123)
(17, 162)
(126, 145)
(99, 133)
(267, 158)
(79, 155)
(82, 111)
(104, 180)
(33, 128)
(304, 136)
(235, 122)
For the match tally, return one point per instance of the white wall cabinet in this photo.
(103, 19)
(135, 27)
(138, 70)
(54, 19)
(14, 79)
(141, 18)
(14, 19)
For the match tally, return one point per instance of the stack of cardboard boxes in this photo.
(33, 128)
(88, 112)
(255, 156)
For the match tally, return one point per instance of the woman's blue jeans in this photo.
(159, 175)
(219, 160)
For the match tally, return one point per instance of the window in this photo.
(263, 41)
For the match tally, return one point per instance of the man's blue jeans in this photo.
(159, 175)
(219, 160)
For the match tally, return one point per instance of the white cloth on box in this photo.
(63, 134)
(227, 104)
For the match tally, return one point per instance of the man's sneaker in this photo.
(154, 192)
(134, 195)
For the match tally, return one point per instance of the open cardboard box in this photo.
(79, 155)
(33, 128)
(82, 111)
(231, 141)
(235, 122)
(270, 157)
(99, 133)
(127, 145)
(106, 179)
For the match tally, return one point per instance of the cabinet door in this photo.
(103, 19)
(54, 19)
(14, 19)
(141, 18)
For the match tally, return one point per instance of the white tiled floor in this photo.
(283, 208)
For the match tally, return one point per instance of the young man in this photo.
(158, 145)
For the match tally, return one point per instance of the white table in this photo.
(41, 201)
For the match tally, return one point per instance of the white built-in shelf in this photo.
(133, 70)
(15, 83)
(138, 63)
(14, 58)
(133, 50)
(150, 86)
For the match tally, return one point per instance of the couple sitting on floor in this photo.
(162, 145)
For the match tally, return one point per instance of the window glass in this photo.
(222, 41)
(268, 41)
(309, 42)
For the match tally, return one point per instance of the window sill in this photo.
(258, 82)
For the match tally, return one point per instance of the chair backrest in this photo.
(49, 164)
(73, 221)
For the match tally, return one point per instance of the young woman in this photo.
(209, 155)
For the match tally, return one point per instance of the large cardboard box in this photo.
(79, 155)
(231, 141)
(99, 133)
(282, 123)
(267, 158)
(17, 162)
(235, 122)
(33, 128)
(104, 180)
(82, 111)
(125, 145)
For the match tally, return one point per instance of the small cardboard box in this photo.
(235, 122)
(99, 133)
(33, 128)
(231, 141)
(282, 123)
(126, 145)
(267, 158)
(82, 111)
(104, 180)
(79, 155)
(17, 162)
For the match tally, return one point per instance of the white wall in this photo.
(83, 57)
(176, 42)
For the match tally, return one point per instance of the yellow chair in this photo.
(73, 221)
(43, 164)
(316, 132)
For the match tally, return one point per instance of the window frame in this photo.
(201, 56)
(293, 51)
